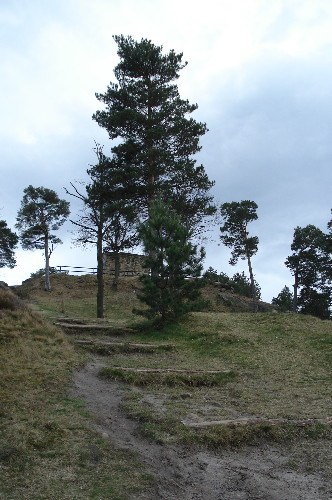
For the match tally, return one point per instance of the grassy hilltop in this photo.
(273, 384)
(76, 295)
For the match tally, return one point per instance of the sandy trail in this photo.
(250, 473)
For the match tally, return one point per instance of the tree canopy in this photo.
(284, 300)
(237, 216)
(235, 235)
(158, 138)
(8, 242)
(41, 212)
(310, 264)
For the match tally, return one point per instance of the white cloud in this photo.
(26, 137)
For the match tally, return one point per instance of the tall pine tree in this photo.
(8, 242)
(158, 137)
(310, 264)
(234, 234)
(41, 213)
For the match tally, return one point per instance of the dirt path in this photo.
(250, 473)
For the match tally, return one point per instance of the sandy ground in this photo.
(248, 473)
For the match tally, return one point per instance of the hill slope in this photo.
(77, 294)
(228, 380)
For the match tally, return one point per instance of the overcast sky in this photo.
(259, 70)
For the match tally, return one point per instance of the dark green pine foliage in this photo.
(8, 242)
(284, 300)
(316, 302)
(239, 283)
(310, 264)
(41, 212)
(212, 276)
(171, 259)
(158, 136)
(242, 286)
(234, 234)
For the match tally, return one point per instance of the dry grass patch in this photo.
(8, 300)
(47, 448)
(75, 296)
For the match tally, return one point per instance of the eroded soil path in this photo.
(250, 473)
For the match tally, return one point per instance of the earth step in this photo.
(241, 422)
(120, 344)
(168, 370)
(56, 318)
(81, 321)
(94, 326)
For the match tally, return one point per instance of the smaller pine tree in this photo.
(171, 287)
(317, 303)
(284, 300)
(241, 285)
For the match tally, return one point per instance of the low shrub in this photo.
(8, 300)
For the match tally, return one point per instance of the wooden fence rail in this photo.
(92, 270)
(77, 269)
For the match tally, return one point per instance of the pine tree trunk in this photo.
(100, 275)
(295, 286)
(47, 265)
(252, 283)
(151, 179)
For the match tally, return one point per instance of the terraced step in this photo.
(167, 376)
(102, 347)
(247, 421)
(170, 370)
(94, 327)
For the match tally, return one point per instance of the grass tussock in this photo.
(8, 300)
(222, 436)
(47, 448)
(169, 379)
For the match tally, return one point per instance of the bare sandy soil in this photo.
(247, 473)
